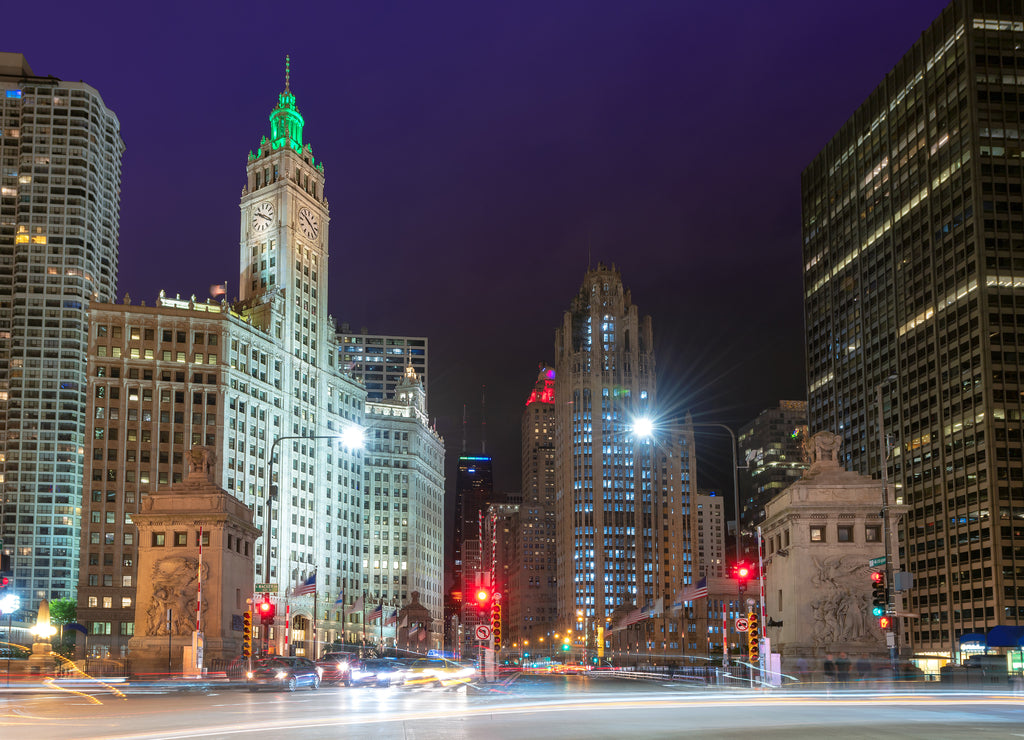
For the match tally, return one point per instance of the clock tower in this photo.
(283, 246)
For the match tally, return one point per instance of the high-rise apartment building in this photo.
(772, 446)
(913, 237)
(533, 607)
(60, 196)
(403, 502)
(622, 498)
(379, 361)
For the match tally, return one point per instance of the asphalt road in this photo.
(532, 707)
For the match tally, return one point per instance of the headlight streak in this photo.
(574, 705)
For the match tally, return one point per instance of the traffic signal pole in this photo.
(891, 636)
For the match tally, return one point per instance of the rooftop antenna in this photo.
(483, 420)
(463, 429)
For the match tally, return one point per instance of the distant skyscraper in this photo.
(772, 446)
(379, 360)
(60, 197)
(913, 258)
(709, 515)
(533, 608)
(474, 490)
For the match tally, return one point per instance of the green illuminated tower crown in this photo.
(285, 120)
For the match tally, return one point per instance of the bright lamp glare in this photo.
(643, 427)
(352, 437)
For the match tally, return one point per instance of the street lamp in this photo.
(582, 618)
(351, 437)
(735, 477)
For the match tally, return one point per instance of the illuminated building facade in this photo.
(237, 378)
(604, 381)
(532, 609)
(60, 195)
(379, 361)
(772, 446)
(403, 502)
(709, 511)
(913, 284)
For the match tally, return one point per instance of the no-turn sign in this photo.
(483, 632)
(741, 624)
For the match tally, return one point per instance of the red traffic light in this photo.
(483, 596)
(877, 577)
(742, 572)
(265, 607)
(4, 580)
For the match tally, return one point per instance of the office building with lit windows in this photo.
(625, 532)
(60, 196)
(403, 504)
(379, 361)
(771, 445)
(913, 236)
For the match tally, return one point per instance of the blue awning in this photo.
(978, 637)
(1005, 636)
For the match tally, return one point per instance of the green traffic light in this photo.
(878, 611)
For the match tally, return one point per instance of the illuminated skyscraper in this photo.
(913, 237)
(533, 608)
(379, 361)
(60, 196)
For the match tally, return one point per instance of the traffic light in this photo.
(267, 610)
(4, 580)
(247, 634)
(496, 624)
(483, 598)
(879, 597)
(753, 637)
(742, 572)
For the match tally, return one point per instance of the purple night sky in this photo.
(479, 154)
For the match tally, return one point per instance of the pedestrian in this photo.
(828, 668)
(803, 670)
(843, 671)
(863, 669)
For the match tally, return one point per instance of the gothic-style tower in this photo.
(284, 216)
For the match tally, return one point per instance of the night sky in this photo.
(479, 155)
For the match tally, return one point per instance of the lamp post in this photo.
(735, 477)
(352, 437)
(581, 617)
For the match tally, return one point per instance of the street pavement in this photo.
(533, 707)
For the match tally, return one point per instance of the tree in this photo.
(63, 611)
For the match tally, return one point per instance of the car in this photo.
(438, 671)
(337, 667)
(283, 672)
(379, 672)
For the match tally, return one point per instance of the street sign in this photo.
(266, 588)
(741, 624)
(483, 632)
(875, 562)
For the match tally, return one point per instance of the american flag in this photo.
(376, 614)
(356, 607)
(306, 588)
(699, 590)
(393, 619)
(340, 601)
(637, 615)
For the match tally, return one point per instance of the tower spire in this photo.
(287, 72)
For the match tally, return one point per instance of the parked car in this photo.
(379, 672)
(337, 667)
(283, 672)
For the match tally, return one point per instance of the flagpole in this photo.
(316, 651)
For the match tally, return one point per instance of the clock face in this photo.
(309, 224)
(263, 216)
